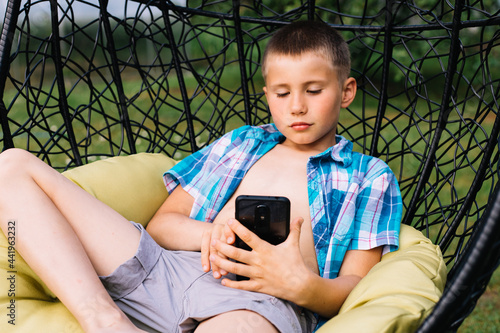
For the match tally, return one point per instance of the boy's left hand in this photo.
(278, 270)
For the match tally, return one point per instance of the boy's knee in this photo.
(13, 161)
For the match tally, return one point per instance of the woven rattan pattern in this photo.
(81, 81)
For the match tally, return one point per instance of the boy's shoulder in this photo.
(242, 139)
(246, 136)
(358, 162)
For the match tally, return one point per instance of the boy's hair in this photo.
(318, 37)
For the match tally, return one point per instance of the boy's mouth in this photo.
(300, 126)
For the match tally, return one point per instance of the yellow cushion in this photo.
(394, 297)
(398, 293)
(133, 186)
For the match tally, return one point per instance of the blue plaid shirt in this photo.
(354, 199)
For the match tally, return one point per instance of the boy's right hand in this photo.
(220, 232)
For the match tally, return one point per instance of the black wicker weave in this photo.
(84, 80)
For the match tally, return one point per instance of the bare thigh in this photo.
(238, 321)
(34, 192)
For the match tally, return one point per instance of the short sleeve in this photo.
(379, 210)
(191, 173)
(186, 170)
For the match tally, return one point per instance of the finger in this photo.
(226, 251)
(205, 251)
(213, 252)
(249, 285)
(234, 267)
(219, 272)
(216, 233)
(295, 229)
(229, 234)
(245, 235)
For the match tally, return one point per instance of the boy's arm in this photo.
(280, 271)
(326, 296)
(171, 226)
(172, 229)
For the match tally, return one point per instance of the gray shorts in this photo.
(167, 291)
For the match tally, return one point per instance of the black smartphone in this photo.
(266, 216)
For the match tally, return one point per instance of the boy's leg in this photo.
(66, 236)
(236, 321)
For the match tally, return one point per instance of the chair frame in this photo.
(426, 80)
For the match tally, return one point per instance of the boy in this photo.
(345, 208)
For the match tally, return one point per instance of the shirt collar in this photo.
(267, 132)
(340, 152)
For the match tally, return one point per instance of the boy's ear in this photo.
(348, 91)
(265, 90)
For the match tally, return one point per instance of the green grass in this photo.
(486, 315)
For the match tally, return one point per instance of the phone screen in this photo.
(267, 216)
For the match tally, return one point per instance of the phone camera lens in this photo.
(262, 213)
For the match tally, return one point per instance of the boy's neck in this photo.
(307, 149)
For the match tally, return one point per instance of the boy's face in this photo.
(305, 95)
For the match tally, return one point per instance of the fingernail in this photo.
(230, 240)
(230, 222)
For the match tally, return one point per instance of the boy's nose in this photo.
(298, 104)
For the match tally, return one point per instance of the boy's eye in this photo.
(280, 95)
(314, 92)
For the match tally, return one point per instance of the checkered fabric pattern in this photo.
(354, 199)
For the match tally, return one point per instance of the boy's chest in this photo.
(280, 173)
